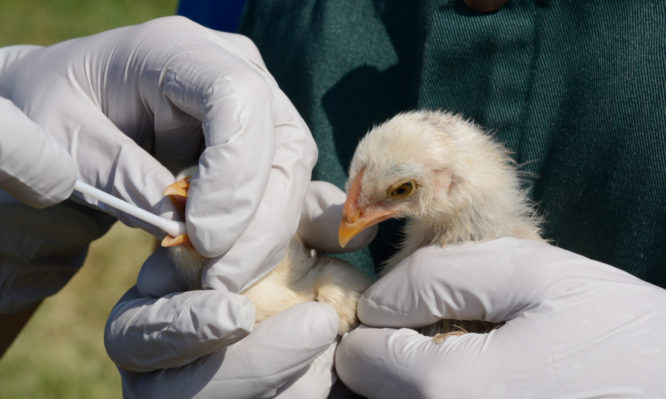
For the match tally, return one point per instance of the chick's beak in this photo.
(357, 218)
(177, 192)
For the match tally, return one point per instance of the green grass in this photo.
(60, 353)
(47, 22)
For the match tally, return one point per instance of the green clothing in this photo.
(575, 88)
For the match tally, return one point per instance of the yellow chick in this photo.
(451, 181)
(302, 276)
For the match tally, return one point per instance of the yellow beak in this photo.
(171, 241)
(177, 193)
(360, 220)
(178, 189)
(357, 218)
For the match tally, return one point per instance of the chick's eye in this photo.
(402, 190)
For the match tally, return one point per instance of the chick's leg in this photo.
(340, 285)
(440, 337)
(446, 328)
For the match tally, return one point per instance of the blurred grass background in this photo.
(60, 353)
(48, 22)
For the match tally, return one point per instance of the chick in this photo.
(450, 180)
(301, 276)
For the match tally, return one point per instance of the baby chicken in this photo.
(451, 181)
(302, 275)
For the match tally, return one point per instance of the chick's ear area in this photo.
(444, 180)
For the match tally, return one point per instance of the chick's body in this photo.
(301, 276)
(452, 181)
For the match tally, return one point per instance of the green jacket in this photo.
(576, 89)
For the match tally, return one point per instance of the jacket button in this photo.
(485, 6)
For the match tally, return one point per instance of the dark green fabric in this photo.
(575, 88)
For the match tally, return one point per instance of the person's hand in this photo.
(134, 104)
(173, 344)
(574, 327)
(34, 168)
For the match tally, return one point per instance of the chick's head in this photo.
(423, 165)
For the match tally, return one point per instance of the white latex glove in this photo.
(172, 344)
(574, 328)
(34, 168)
(40, 249)
(127, 102)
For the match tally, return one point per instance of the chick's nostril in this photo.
(351, 215)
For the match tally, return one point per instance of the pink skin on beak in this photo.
(357, 218)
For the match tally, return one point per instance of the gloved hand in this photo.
(34, 168)
(130, 102)
(172, 344)
(574, 327)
